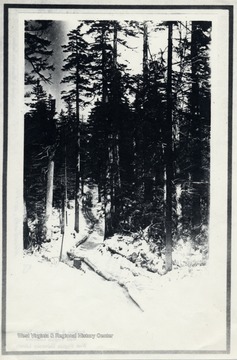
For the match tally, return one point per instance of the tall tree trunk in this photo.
(63, 224)
(115, 129)
(78, 164)
(103, 62)
(82, 153)
(117, 101)
(64, 197)
(108, 219)
(109, 194)
(196, 135)
(99, 190)
(145, 56)
(65, 187)
(178, 192)
(108, 188)
(63, 206)
(147, 182)
(49, 197)
(168, 156)
(137, 142)
(109, 210)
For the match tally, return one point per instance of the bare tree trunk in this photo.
(64, 197)
(49, 197)
(63, 213)
(65, 187)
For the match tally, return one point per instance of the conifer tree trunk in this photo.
(196, 135)
(137, 145)
(145, 56)
(99, 190)
(65, 189)
(104, 99)
(147, 183)
(109, 194)
(63, 211)
(82, 155)
(108, 185)
(116, 95)
(115, 165)
(168, 156)
(178, 192)
(64, 196)
(49, 197)
(78, 164)
(103, 63)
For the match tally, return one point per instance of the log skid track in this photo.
(87, 246)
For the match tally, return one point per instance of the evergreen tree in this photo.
(200, 117)
(76, 66)
(40, 136)
(169, 155)
(37, 52)
(110, 89)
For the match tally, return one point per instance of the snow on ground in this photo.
(140, 309)
(178, 313)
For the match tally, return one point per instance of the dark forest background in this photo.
(145, 144)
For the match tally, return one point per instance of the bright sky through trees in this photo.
(57, 34)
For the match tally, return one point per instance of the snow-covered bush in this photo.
(136, 249)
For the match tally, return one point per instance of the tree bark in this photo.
(168, 156)
(103, 62)
(115, 132)
(78, 164)
(64, 197)
(146, 171)
(49, 197)
(117, 100)
(109, 188)
(108, 218)
(145, 56)
(99, 190)
(109, 198)
(196, 135)
(178, 192)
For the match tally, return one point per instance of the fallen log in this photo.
(127, 290)
(82, 240)
(95, 269)
(109, 278)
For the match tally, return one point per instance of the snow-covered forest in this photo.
(116, 183)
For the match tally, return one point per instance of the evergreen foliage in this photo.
(146, 141)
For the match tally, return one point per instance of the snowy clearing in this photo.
(136, 310)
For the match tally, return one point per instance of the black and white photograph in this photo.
(117, 180)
